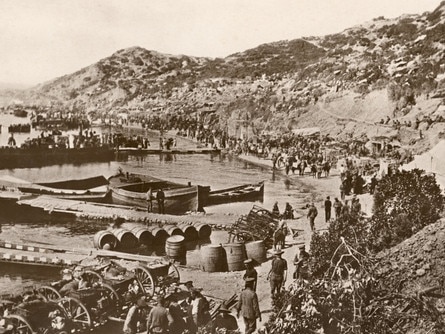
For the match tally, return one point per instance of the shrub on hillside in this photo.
(404, 203)
(325, 247)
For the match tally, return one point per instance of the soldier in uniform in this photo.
(250, 273)
(278, 273)
(301, 263)
(248, 307)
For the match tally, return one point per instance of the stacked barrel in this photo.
(231, 256)
(173, 236)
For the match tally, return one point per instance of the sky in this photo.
(44, 39)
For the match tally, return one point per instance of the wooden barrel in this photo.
(105, 239)
(212, 258)
(256, 250)
(174, 246)
(235, 254)
(173, 230)
(189, 231)
(143, 234)
(204, 230)
(126, 238)
(159, 235)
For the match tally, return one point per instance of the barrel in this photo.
(212, 258)
(256, 250)
(103, 238)
(143, 234)
(204, 230)
(126, 238)
(159, 234)
(189, 231)
(235, 254)
(173, 230)
(175, 247)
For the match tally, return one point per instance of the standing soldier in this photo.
(312, 213)
(248, 307)
(278, 273)
(250, 273)
(301, 263)
(327, 209)
(356, 207)
(160, 197)
(159, 318)
(150, 200)
(337, 207)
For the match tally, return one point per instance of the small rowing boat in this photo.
(92, 189)
(244, 193)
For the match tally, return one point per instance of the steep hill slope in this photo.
(343, 82)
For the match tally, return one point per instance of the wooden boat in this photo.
(93, 189)
(246, 192)
(131, 189)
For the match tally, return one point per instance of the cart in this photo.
(41, 317)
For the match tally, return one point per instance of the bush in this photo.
(325, 247)
(404, 203)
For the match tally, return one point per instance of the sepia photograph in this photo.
(222, 167)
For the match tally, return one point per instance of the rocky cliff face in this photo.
(367, 72)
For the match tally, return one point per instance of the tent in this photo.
(432, 161)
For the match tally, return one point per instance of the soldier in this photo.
(278, 273)
(312, 213)
(250, 273)
(301, 263)
(248, 307)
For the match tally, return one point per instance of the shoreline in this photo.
(226, 283)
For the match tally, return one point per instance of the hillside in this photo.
(343, 82)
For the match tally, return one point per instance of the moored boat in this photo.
(131, 189)
(92, 189)
(246, 192)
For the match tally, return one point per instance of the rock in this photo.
(420, 272)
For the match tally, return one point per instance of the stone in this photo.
(420, 272)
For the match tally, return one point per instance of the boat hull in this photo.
(93, 189)
(244, 193)
(178, 198)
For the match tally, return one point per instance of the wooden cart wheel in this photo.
(146, 280)
(49, 293)
(173, 274)
(77, 312)
(113, 300)
(93, 277)
(20, 324)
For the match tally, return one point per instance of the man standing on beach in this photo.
(250, 273)
(160, 197)
(149, 200)
(278, 273)
(337, 207)
(327, 209)
(312, 213)
(249, 307)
